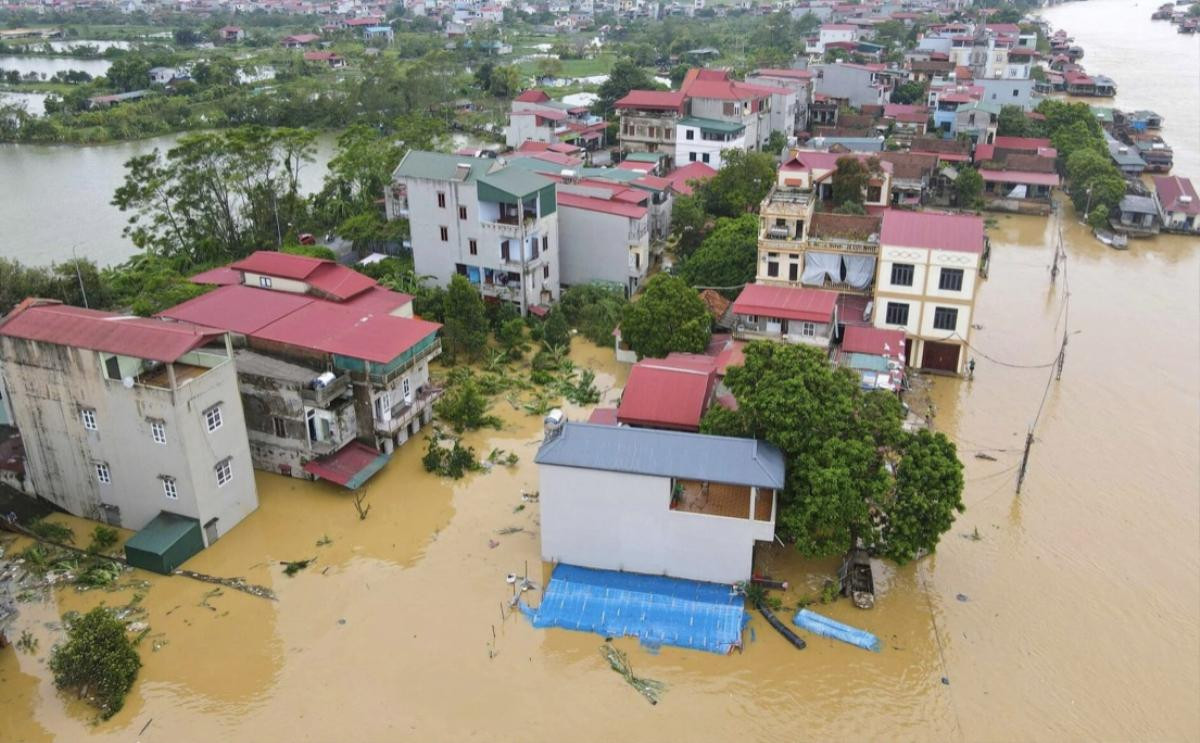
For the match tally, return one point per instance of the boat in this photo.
(858, 581)
(1114, 240)
(825, 627)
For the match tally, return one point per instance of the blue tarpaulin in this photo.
(655, 609)
(819, 624)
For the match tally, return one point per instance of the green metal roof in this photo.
(534, 165)
(644, 157)
(612, 174)
(162, 533)
(1103, 113)
(516, 182)
(712, 125)
(439, 166)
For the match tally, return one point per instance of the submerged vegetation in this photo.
(98, 661)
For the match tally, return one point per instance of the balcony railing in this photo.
(320, 397)
(402, 413)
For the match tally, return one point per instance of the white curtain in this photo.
(860, 270)
(819, 265)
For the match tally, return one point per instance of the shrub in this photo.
(98, 660)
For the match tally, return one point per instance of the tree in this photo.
(548, 68)
(728, 257)
(1098, 217)
(511, 337)
(624, 76)
(968, 187)
(850, 178)
(98, 660)
(148, 284)
(1012, 122)
(130, 72)
(740, 185)
(505, 82)
(187, 37)
(1093, 180)
(839, 442)
(688, 224)
(464, 407)
(908, 93)
(669, 316)
(555, 330)
(594, 310)
(464, 331)
(776, 142)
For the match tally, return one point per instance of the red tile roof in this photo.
(330, 328)
(240, 309)
(604, 206)
(222, 276)
(532, 95)
(634, 165)
(788, 73)
(49, 321)
(652, 99)
(680, 177)
(932, 230)
(1019, 176)
(668, 393)
(653, 181)
(866, 339)
(1170, 188)
(716, 84)
(378, 299)
(350, 466)
(1024, 144)
(811, 305)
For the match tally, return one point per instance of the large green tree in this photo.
(668, 316)
(1012, 122)
(624, 76)
(968, 187)
(841, 444)
(688, 223)
(850, 178)
(464, 329)
(594, 310)
(740, 185)
(98, 660)
(728, 257)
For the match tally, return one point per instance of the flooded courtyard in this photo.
(1066, 613)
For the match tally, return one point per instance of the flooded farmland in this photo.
(1078, 616)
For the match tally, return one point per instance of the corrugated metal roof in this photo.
(961, 233)
(604, 206)
(241, 309)
(651, 99)
(790, 303)
(439, 166)
(668, 393)
(712, 125)
(283, 265)
(49, 321)
(350, 466)
(516, 182)
(339, 282)
(865, 339)
(163, 531)
(647, 451)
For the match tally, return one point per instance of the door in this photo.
(940, 357)
(210, 531)
(908, 357)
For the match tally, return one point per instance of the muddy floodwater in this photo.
(1073, 615)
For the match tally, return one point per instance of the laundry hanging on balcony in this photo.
(856, 271)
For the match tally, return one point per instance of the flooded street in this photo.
(1078, 611)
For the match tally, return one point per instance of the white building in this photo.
(496, 225)
(658, 502)
(700, 140)
(929, 271)
(834, 33)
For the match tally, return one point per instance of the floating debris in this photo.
(649, 688)
(295, 566)
(510, 530)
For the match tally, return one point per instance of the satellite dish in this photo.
(128, 382)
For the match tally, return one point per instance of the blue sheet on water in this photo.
(655, 609)
(822, 625)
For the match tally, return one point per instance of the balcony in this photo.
(844, 245)
(320, 397)
(403, 412)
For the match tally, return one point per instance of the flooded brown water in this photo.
(1083, 594)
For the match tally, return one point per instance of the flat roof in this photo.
(648, 451)
(712, 125)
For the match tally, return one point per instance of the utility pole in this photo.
(1057, 245)
(79, 276)
(1024, 459)
(1062, 356)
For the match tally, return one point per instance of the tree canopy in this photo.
(728, 257)
(98, 660)
(841, 444)
(594, 310)
(968, 187)
(668, 316)
(740, 185)
(850, 178)
(464, 332)
(624, 76)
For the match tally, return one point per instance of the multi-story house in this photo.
(856, 84)
(536, 118)
(124, 418)
(929, 271)
(648, 121)
(835, 33)
(712, 94)
(497, 225)
(700, 140)
(333, 370)
(800, 82)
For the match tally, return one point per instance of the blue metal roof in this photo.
(648, 451)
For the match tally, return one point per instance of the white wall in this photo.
(622, 521)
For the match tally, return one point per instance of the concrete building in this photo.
(713, 95)
(658, 502)
(495, 224)
(1178, 205)
(856, 84)
(333, 370)
(605, 236)
(835, 33)
(536, 118)
(929, 272)
(787, 314)
(123, 418)
(800, 82)
(700, 140)
(648, 120)
(1008, 92)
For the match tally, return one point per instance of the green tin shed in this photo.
(165, 543)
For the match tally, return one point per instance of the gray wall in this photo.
(595, 247)
(1000, 92)
(853, 84)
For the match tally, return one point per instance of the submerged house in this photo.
(684, 505)
(1178, 205)
(790, 314)
(1136, 216)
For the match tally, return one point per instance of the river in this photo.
(56, 198)
(1077, 619)
(47, 67)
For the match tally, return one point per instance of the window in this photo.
(264, 282)
(88, 415)
(689, 134)
(504, 251)
(441, 199)
(729, 109)
(112, 367)
(280, 427)
(158, 432)
(951, 279)
(772, 268)
(945, 318)
(102, 473)
(1016, 93)
(902, 274)
(545, 243)
(808, 328)
(462, 212)
(445, 233)
(704, 157)
(897, 313)
(406, 387)
(546, 271)
(692, 157)
(224, 470)
(169, 488)
(794, 272)
(212, 418)
(473, 247)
